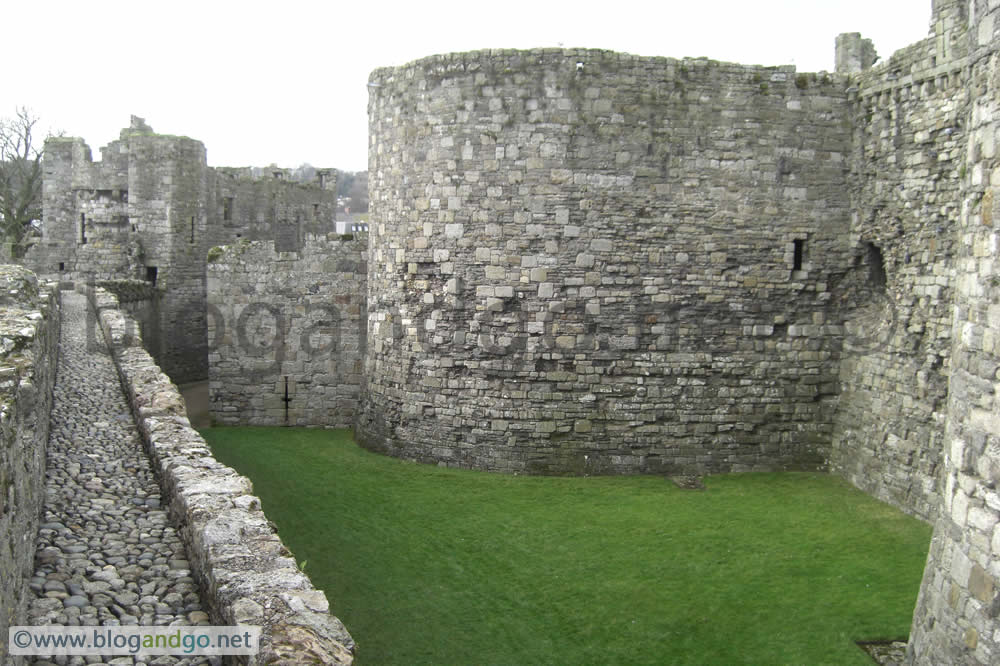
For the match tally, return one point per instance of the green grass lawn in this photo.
(436, 566)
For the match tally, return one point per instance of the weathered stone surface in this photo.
(607, 229)
(956, 619)
(905, 187)
(150, 210)
(246, 573)
(29, 335)
(104, 548)
(288, 332)
(582, 262)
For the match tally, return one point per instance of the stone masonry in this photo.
(957, 620)
(107, 552)
(29, 335)
(590, 262)
(141, 526)
(150, 209)
(910, 133)
(246, 574)
(286, 332)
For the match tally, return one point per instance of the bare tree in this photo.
(20, 179)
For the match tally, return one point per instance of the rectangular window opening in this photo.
(62, 266)
(151, 275)
(227, 209)
(800, 253)
(83, 229)
(192, 230)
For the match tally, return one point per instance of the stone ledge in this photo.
(128, 291)
(247, 574)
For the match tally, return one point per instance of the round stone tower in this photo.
(957, 619)
(584, 262)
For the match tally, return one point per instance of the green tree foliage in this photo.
(20, 179)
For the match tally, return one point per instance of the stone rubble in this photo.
(107, 553)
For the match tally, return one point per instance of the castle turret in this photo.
(63, 159)
(956, 618)
(556, 289)
(984, 24)
(949, 26)
(854, 54)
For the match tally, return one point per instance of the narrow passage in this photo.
(107, 553)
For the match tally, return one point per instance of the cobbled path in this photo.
(107, 553)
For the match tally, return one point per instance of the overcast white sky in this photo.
(283, 81)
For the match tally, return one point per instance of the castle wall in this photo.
(246, 572)
(29, 329)
(287, 332)
(150, 209)
(140, 300)
(590, 262)
(88, 228)
(271, 207)
(956, 619)
(909, 125)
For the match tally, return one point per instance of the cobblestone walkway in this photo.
(107, 553)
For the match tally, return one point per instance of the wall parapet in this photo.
(29, 337)
(127, 291)
(248, 575)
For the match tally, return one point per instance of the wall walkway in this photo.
(113, 550)
(107, 551)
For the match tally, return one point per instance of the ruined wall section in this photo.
(88, 228)
(140, 300)
(957, 619)
(150, 210)
(29, 330)
(271, 206)
(287, 331)
(586, 262)
(58, 205)
(909, 155)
